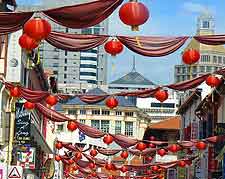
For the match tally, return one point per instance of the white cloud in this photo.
(196, 7)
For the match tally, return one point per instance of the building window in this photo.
(83, 111)
(95, 112)
(205, 58)
(208, 69)
(105, 126)
(178, 70)
(64, 82)
(59, 127)
(65, 76)
(129, 129)
(55, 72)
(131, 114)
(55, 64)
(65, 68)
(214, 59)
(202, 69)
(88, 66)
(118, 127)
(82, 121)
(105, 112)
(219, 59)
(65, 60)
(95, 124)
(72, 111)
(205, 24)
(66, 52)
(86, 31)
(87, 74)
(119, 113)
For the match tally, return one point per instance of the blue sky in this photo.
(176, 17)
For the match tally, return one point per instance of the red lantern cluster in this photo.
(72, 126)
(201, 145)
(191, 56)
(51, 100)
(213, 81)
(124, 154)
(141, 146)
(15, 92)
(113, 47)
(161, 95)
(111, 102)
(28, 105)
(134, 14)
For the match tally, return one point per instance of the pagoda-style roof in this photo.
(172, 123)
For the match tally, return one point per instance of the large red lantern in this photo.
(93, 152)
(201, 145)
(161, 95)
(161, 152)
(57, 158)
(37, 28)
(113, 47)
(173, 148)
(124, 154)
(108, 139)
(123, 169)
(58, 145)
(72, 126)
(141, 146)
(15, 92)
(134, 14)
(191, 56)
(212, 81)
(111, 102)
(51, 100)
(28, 105)
(181, 163)
(27, 43)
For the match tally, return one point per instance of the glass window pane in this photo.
(129, 128)
(95, 124)
(105, 126)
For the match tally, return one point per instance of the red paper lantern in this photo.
(28, 105)
(181, 163)
(15, 92)
(27, 42)
(113, 47)
(213, 81)
(151, 145)
(152, 138)
(173, 148)
(37, 28)
(141, 146)
(123, 169)
(71, 161)
(58, 145)
(51, 100)
(148, 172)
(148, 158)
(134, 14)
(110, 177)
(161, 95)
(201, 145)
(78, 155)
(145, 178)
(72, 126)
(57, 158)
(93, 152)
(93, 174)
(108, 139)
(155, 168)
(162, 152)
(91, 165)
(109, 166)
(124, 154)
(191, 56)
(112, 102)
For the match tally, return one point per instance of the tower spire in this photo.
(134, 65)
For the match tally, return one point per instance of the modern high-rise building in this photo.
(212, 57)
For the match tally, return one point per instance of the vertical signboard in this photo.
(22, 123)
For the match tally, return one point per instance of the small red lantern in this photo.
(108, 139)
(162, 152)
(181, 164)
(161, 95)
(173, 148)
(112, 102)
(15, 92)
(57, 158)
(124, 154)
(201, 145)
(145, 178)
(27, 42)
(141, 146)
(155, 168)
(72, 126)
(91, 165)
(113, 47)
(148, 172)
(191, 56)
(28, 105)
(123, 169)
(134, 14)
(37, 28)
(78, 155)
(148, 158)
(110, 177)
(71, 161)
(213, 81)
(58, 145)
(93, 174)
(51, 100)
(93, 152)
(109, 166)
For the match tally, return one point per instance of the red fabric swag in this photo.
(75, 42)
(153, 46)
(83, 15)
(211, 39)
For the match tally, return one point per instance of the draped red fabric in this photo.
(92, 99)
(145, 152)
(140, 93)
(109, 152)
(13, 21)
(220, 72)
(51, 114)
(215, 139)
(83, 15)
(124, 141)
(188, 84)
(211, 39)
(153, 46)
(34, 96)
(75, 42)
(90, 131)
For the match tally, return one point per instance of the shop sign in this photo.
(27, 159)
